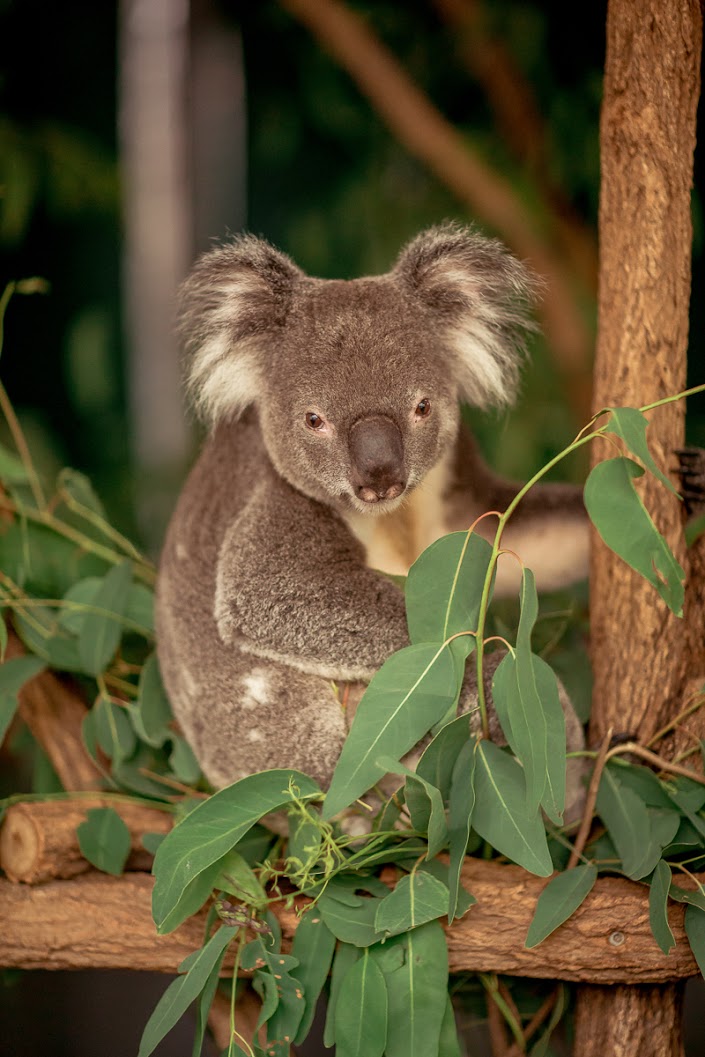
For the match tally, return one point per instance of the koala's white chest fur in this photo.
(394, 541)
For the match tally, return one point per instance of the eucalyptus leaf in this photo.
(213, 828)
(12, 469)
(417, 898)
(313, 946)
(460, 811)
(3, 638)
(138, 615)
(238, 879)
(100, 636)
(183, 762)
(630, 424)
(57, 648)
(448, 1043)
(104, 840)
(361, 1011)
(695, 931)
(444, 588)
(417, 992)
(351, 924)
(627, 821)
(424, 803)
(345, 957)
(500, 814)
(13, 675)
(561, 897)
(151, 715)
(441, 872)
(80, 490)
(658, 903)
(410, 692)
(438, 758)
(183, 991)
(619, 515)
(113, 729)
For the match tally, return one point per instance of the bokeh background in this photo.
(134, 134)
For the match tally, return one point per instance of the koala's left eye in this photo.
(314, 421)
(423, 408)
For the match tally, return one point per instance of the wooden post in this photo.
(639, 648)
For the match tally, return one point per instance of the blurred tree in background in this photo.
(516, 85)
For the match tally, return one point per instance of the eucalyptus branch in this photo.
(590, 801)
(634, 749)
(101, 524)
(82, 607)
(671, 399)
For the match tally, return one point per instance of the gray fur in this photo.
(265, 599)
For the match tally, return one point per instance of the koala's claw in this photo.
(691, 470)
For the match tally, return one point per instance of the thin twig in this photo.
(589, 810)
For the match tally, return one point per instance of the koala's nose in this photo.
(377, 456)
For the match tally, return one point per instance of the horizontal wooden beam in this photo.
(97, 921)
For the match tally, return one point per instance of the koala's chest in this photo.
(394, 542)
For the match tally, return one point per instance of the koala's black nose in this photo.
(377, 456)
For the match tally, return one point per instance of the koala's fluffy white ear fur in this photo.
(482, 297)
(233, 301)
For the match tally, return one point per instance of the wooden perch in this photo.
(38, 840)
(96, 921)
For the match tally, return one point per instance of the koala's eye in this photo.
(423, 408)
(314, 421)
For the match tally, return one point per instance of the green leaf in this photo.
(441, 872)
(113, 729)
(444, 588)
(540, 1048)
(280, 988)
(12, 469)
(215, 827)
(151, 715)
(694, 529)
(449, 1044)
(345, 957)
(617, 512)
(627, 821)
(630, 424)
(100, 636)
(460, 811)
(13, 675)
(351, 924)
(424, 803)
(417, 992)
(361, 1011)
(183, 761)
(3, 639)
(314, 945)
(80, 490)
(139, 610)
(151, 841)
(693, 897)
(205, 1002)
(104, 840)
(304, 838)
(658, 903)
(563, 894)
(500, 815)
(238, 879)
(410, 692)
(54, 646)
(418, 897)
(438, 758)
(695, 931)
(183, 991)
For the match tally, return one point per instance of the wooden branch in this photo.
(54, 712)
(644, 1021)
(428, 136)
(38, 840)
(96, 921)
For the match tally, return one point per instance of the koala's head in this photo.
(356, 383)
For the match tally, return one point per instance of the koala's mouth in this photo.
(378, 506)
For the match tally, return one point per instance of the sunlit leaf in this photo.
(563, 894)
(361, 1011)
(104, 840)
(410, 692)
(212, 829)
(620, 517)
(444, 588)
(658, 903)
(500, 814)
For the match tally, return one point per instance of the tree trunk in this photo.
(639, 648)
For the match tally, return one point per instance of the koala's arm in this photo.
(549, 529)
(292, 586)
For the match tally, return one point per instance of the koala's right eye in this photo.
(314, 421)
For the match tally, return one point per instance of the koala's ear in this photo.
(481, 297)
(234, 301)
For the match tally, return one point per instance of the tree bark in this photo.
(96, 921)
(38, 840)
(639, 648)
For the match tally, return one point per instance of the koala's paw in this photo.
(691, 470)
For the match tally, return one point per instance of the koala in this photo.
(336, 454)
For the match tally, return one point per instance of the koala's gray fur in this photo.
(268, 591)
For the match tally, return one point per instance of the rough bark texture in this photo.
(640, 650)
(619, 1021)
(648, 138)
(105, 922)
(38, 840)
(54, 712)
